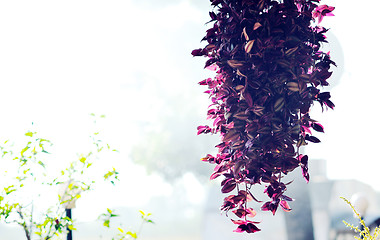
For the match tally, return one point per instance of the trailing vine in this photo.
(270, 69)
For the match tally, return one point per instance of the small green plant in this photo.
(364, 232)
(30, 170)
(124, 234)
(29, 179)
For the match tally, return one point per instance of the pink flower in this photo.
(321, 11)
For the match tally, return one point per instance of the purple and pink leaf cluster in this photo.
(270, 70)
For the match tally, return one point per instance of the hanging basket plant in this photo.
(269, 72)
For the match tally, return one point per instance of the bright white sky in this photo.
(350, 144)
(61, 60)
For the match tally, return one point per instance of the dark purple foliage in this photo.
(269, 72)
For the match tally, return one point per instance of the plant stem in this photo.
(23, 225)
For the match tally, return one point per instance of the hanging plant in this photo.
(269, 72)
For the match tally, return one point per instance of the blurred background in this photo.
(130, 60)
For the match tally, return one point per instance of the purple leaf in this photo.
(317, 127)
(203, 129)
(329, 104)
(239, 212)
(245, 226)
(212, 67)
(210, 62)
(305, 173)
(312, 139)
(248, 99)
(228, 186)
(286, 198)
(212, 15)
(303, 159)
(285, 206)
(231, 135)
(197, 52)
(215, 175)
(321, 11)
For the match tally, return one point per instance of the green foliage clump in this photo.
(365, 232)
(124, 234)
(28, 175)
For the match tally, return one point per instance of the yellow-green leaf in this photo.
(71, 227)
(132, 234)
(41, 163)
(106, 223)
(24, 150)
(29, 134)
